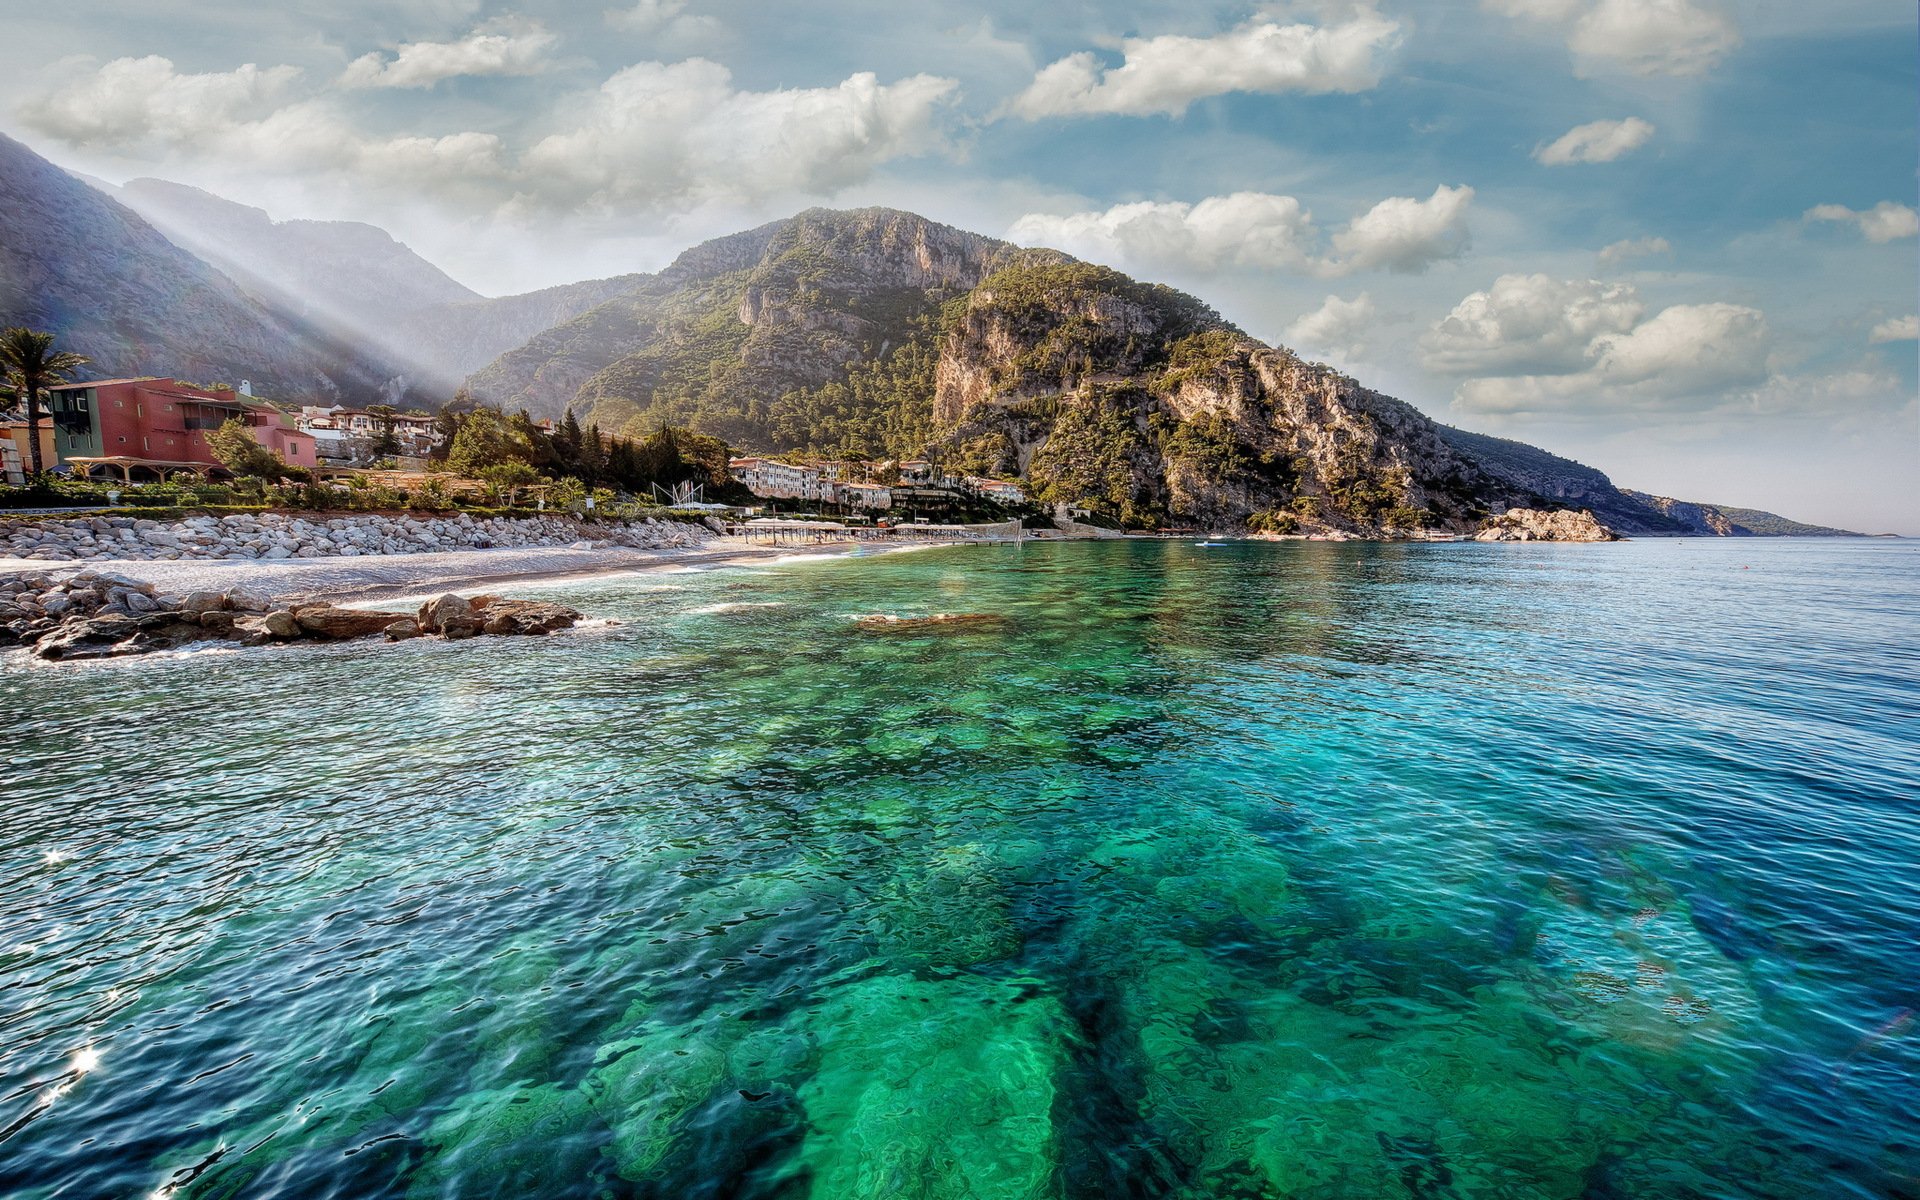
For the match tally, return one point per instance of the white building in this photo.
(863, 495)
(997, 489)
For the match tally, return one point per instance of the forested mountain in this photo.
(75, 262)
(877, 333)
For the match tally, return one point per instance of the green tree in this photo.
(507, 478)
(239, 451)
(484, 440)
(386, 442)
(31, 364)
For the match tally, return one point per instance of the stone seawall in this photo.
(277, 535)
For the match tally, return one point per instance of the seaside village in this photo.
(157, 470)
(151, 430)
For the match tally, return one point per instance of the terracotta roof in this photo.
(62, 387)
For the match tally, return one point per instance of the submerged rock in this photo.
(887, 623)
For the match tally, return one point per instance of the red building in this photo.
(146, 429)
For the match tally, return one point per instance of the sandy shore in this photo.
(375, 577)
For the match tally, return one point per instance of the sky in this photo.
(1673, 239)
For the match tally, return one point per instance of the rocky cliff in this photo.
(1722, 520)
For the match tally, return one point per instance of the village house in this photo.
(771, 479)
(16, 450)
(998, 490)
(345, 435)
(140, 430)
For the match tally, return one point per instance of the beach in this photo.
(343, 579)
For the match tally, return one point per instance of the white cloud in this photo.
(1403, 234)
(134, 101)
(1884, 222)
(1595, 142)
(1166, 74)
(654, 137)
(1529, 324)
(1644, 37)
(1339, 328)
(681, 131)
(505, 50)
(1896, 329)
(1685, 357)
(1688, 349)
(1260, 230)
(1249, 229)
(1622, 251)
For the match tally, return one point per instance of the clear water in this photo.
(1273, 870)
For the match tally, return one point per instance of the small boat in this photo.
(1213, 543)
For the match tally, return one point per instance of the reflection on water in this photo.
(1266, 871)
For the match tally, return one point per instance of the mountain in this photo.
(1565, 483)
(359, 284)
(879, 333)
(1724, 520)
(731, 335)
(322, 270)
(77, 263)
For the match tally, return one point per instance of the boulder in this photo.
(195, 603)
(528, 617)
(324, 620)
(281, 624)
(445, 613)
(242, 600)
(215, 620)
(404, 628)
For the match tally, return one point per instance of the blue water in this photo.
(1297, 870)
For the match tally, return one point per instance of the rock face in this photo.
(1722, 520)
(271, 535)
(1527, 525)
(98, 615)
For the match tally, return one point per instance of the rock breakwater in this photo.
(98, 614)
(280, 535)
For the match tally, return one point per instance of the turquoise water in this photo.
(1296, 870)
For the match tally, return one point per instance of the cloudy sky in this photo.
(1672, 238)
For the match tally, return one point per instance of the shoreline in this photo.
(371, 577)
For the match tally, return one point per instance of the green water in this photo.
(1266, 871)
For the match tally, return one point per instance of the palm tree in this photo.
(31, 364)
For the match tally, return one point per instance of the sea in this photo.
(1290, 870)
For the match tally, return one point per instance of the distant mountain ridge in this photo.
(359, 284)
(114, 288)
(1725, 520)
